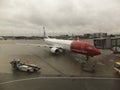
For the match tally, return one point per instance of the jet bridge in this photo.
(112, 43)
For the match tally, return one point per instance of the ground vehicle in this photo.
(117, 66)
(16, 64)
(88, 66)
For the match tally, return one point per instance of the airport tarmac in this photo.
(62, 83)
(64, 65)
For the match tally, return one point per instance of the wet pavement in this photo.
(64, 65)
(62, 84)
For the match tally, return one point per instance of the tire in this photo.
(28, 71)
(34, 70)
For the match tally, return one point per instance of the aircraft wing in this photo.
(36, 45)
(40, 45)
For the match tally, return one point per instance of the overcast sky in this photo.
(27, 17)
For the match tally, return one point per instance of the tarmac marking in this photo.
(49, 65)
(27, 79)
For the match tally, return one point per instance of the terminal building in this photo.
(95, 35)
(98, 35)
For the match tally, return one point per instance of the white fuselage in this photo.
(58, 45)
(65, 44)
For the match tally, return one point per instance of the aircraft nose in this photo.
(97, 51)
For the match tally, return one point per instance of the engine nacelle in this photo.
(54, 50)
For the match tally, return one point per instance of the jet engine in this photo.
(56, 50)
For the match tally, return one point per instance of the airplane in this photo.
(58, 46)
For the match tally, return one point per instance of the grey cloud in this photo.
(61, 16)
